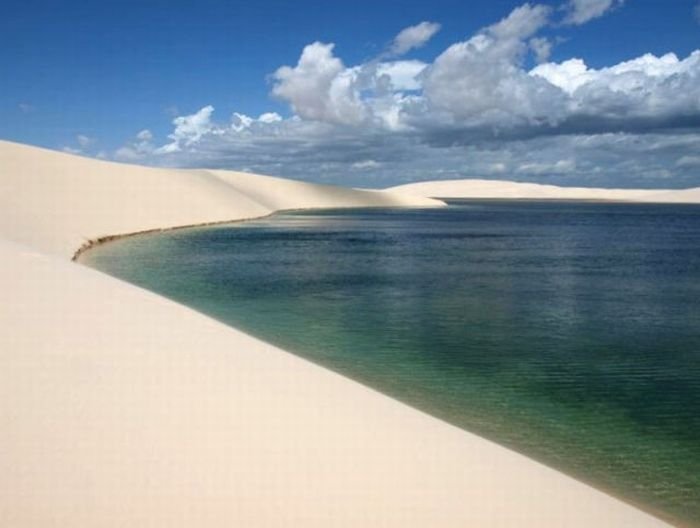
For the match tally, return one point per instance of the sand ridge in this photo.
(500, 189)
(57, 202)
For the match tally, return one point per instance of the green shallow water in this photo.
(567, 331)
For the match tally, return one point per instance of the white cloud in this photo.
(476, 110)
(373, 157)
(270, 117)
(127, 153)
(189, 129)
(581, 11)
(413, 37)
(25, 107)
(521, 23)
(403, 75)
(568, 75)
(137, 149)
(480, 82)
(320, 88)
(71, 150)
(656, 89)
(241, 123)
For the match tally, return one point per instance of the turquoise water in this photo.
(567, 331)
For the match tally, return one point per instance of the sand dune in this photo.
(121, 408)
(56, 202)
(475, 188)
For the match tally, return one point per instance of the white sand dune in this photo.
(121, 408)
(497, 189)
(56, 202)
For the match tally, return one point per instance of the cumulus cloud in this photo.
(413, 37)
(581, 11)
(320, 87)
(402, 75)
(140, 147)
(646, 92)
(189, 130)
(479, 108)
(481, 83)
(522, 22)
(270, 117)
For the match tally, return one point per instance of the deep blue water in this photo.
(567, 331)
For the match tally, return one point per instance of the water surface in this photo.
(567, 331)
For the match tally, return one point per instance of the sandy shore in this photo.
(121, 408)
(496, 189)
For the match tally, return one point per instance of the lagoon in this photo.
(567, 331)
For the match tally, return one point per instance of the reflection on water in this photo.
(567, 331)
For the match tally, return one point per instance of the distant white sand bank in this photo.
(56, 202)
(497, 189)
(121, 408)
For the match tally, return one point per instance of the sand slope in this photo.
(57, 202)
(496, 189)
(121, 408)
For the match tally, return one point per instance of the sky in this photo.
(376, 93)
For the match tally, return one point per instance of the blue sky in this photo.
(575, 92)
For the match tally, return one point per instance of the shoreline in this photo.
(90, 244)
(162, 416)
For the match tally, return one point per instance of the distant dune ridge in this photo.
(56, 202)
(475, 188)
(121, 408)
